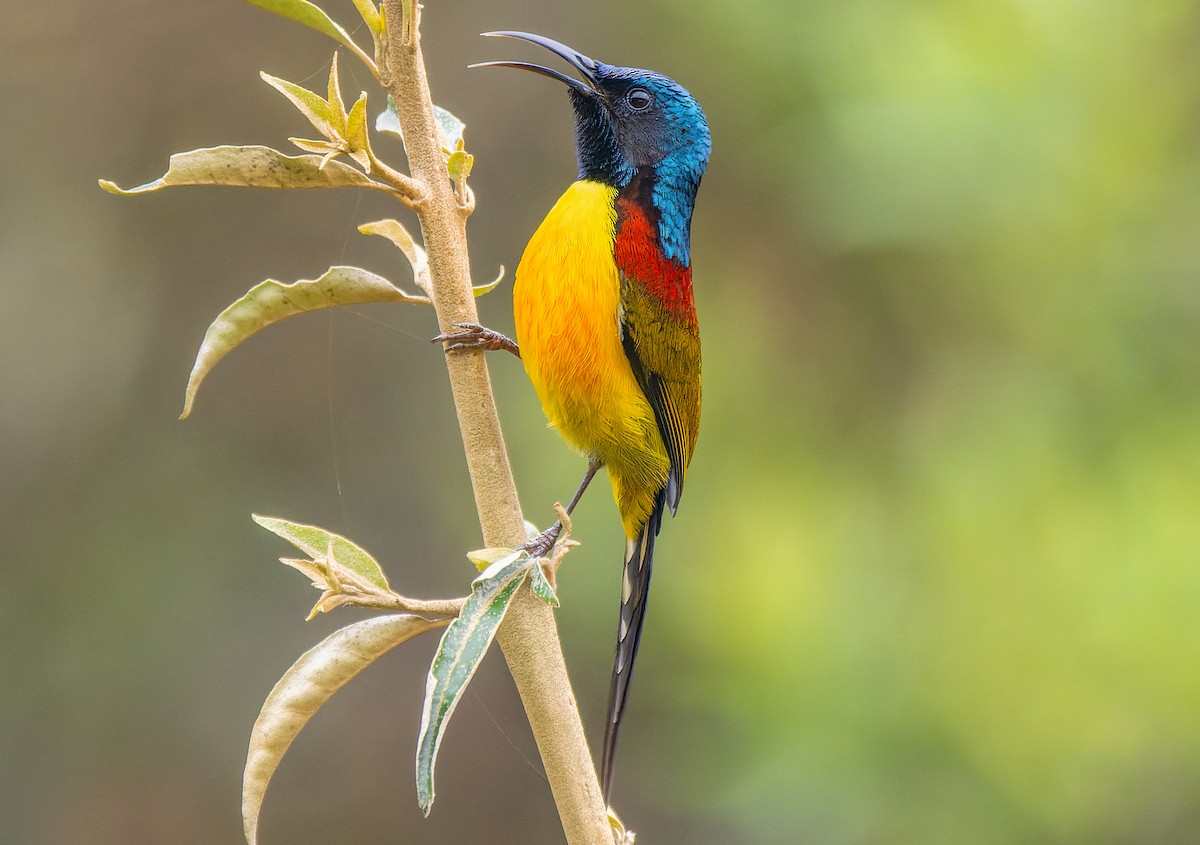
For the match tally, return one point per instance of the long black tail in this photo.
(635, 586)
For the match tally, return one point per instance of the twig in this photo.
(529, 635)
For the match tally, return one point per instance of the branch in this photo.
(529, 635)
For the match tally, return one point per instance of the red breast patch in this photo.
(639, 257)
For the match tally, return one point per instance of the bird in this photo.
(605, 316)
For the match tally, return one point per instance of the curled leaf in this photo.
(308, 684)
(480, 290)
(398, 235)
(458, 656)
(271, 301)
(252, 167)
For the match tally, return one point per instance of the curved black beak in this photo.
(577, 60)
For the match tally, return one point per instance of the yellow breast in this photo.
(566, 302)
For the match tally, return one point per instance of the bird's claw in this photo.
(475, 336)
(541, 545)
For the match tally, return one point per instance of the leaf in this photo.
(314, 17)
(369, 13)
(308, 684)
(336, 106)
(321, 148)
(541, 586)
(621, 835)
(459, 165)
(344, 557)
(356, 133)
(480, 290)
(388, 121)
(252, 167)
(325, 117)
(483, 558)
(458, 656)
(450, 128)
(398, 235)
(271, 301)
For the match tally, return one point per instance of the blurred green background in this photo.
(936, 576)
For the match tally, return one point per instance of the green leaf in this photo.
(480, 290)
(325, 117)
(271, 301)
(308, 684)
(336, 106)
(356, 133)
(346, 558)
(459, 165)
(369, 13)
(398, 235)
(541, 586)
(314, 17)
(252, 167)
(458, 656)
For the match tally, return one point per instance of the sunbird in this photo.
(606, 323)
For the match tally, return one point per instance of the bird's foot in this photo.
(475, 336)
(541, 545)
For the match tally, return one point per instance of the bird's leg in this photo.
(541, 545)
(475, 336)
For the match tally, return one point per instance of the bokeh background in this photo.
(936, 575)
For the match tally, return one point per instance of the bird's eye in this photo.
(638, 99)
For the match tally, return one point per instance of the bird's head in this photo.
(627, 119)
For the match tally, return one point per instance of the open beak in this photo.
(577, 60)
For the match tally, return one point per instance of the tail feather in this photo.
(635, 587)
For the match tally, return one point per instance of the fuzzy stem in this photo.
(529, 636)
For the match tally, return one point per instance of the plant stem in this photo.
(529, 636)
